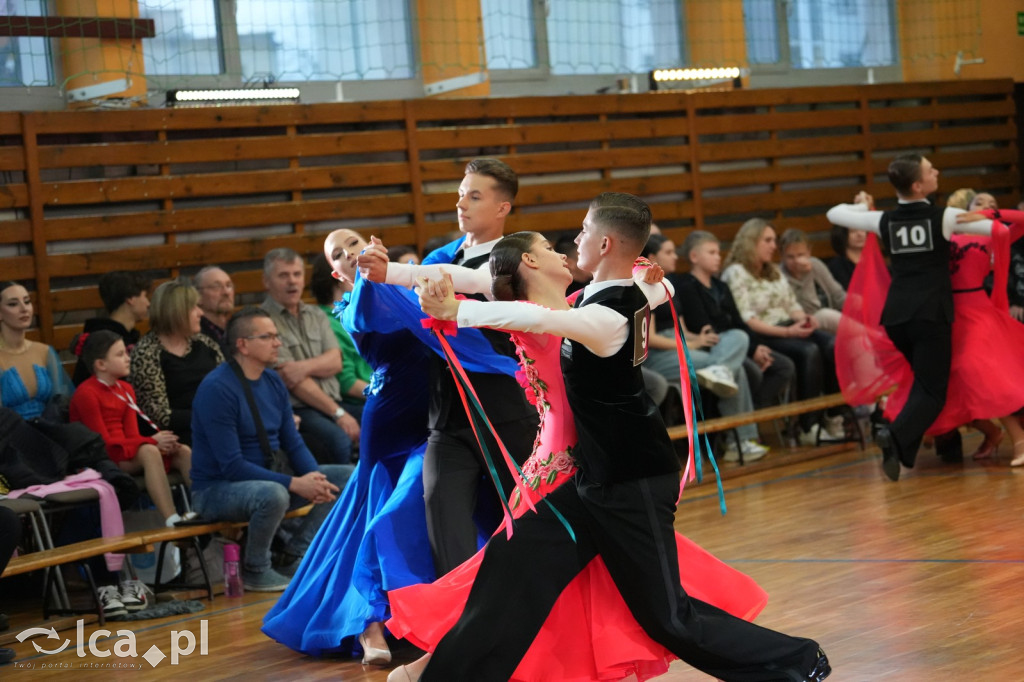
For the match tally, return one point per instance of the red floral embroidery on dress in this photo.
(539, 469)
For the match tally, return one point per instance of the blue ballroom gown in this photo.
(375, 538)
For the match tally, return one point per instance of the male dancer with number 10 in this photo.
(918, 311)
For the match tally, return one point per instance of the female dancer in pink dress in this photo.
(987, 365)
(607, 643)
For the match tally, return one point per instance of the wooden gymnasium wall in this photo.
(166, 191)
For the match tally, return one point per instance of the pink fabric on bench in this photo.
(111, 521)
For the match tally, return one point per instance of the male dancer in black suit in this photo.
(918, 312)
(459, 495)
(622, 502)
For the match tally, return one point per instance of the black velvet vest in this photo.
(919, 252)
(621, 433)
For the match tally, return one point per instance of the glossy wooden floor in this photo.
(920, 580)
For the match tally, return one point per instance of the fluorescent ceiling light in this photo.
(239, 96)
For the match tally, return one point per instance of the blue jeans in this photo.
(263, 504)
(730, 351)
(325, 439)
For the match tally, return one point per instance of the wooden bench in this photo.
(790, 409)
(137, 542)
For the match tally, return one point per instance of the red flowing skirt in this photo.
(617, 646)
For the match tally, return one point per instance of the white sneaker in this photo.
(752, 451)
(133, 595)
(834, 428)
(717, 379)
(110, 601)
(810, 436)
(175, 519)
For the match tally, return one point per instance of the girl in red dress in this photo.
(607, 642)
(106, 405)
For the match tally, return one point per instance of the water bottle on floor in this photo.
(232, 571)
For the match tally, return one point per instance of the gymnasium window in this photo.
(820, 34)
(24, 61)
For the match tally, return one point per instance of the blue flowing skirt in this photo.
(374, 540)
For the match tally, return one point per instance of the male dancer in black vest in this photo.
(918, 312)
(459, 495)
(622, 502)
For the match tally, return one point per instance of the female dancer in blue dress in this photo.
(375, 538)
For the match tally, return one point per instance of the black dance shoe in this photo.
(821, 668)
(890, 460)
(820, 671)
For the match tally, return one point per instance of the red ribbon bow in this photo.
(80, 343)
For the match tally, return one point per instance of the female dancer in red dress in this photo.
(608, 644)
(984, 379)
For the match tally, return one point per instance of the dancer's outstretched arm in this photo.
(374, 266)
(859, 216)
(599, 328)
(1013, 218)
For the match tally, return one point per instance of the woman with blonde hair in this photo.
(173, 358)
(768, 306)
(961, 198)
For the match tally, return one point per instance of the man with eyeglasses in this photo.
(235, 478)
(216, 300)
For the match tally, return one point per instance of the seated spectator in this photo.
(566, 245)
(403, 253)
(235, 476)
(172, 359)
(848, 245)
(354, 377)
(717, 355)
(768, 306)
(216, 300)
(816, 290)
(106, 404)
(716, 359)
(125, 296)
(706, 300)
(309, 360)
(31, 374)
(10, 536)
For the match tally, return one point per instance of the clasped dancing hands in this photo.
(437, 297)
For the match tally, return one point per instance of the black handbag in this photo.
(27, 456)
(275, 460)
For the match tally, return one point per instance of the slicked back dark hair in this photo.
(502, 174)
(627, 216)
(506, 257)
(904, 171)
